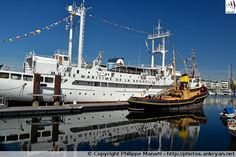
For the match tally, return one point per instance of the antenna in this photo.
(161, 36)
(175, 84)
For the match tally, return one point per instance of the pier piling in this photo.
(57, 90)
(36, 90)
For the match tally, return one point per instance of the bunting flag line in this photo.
(117, 25)
(38, 30)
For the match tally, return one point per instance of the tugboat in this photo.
(178, 97)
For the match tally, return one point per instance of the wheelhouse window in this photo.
(48, 79)
(16, 76)
(66, 58)
(27, 77)
(4, 75)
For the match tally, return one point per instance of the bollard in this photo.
(36, 90)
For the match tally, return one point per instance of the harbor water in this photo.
(119, 130)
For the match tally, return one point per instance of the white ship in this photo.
(96, 82)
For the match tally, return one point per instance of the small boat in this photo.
(228, 112)
(231, 125)
(176, 98)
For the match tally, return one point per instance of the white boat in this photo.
(96, 82)
(231, 125)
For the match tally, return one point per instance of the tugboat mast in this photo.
(161, 46)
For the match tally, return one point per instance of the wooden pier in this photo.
(27, 111)
(67, 109)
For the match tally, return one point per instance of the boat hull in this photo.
(138, 104)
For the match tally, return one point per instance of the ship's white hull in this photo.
(20, 90)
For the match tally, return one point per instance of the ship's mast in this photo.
(72, 10)
(161, 46)
(77, 11)
(81, 12)
(175, 83)
(194, 65)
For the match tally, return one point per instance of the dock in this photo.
(67, 109)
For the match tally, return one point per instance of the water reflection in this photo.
(223, 100)
(110, 130)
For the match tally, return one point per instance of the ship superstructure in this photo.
(96, 82)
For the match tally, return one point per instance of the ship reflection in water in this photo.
(110, 130)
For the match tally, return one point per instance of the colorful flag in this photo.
(38, 31)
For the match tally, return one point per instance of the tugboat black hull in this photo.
(138, 104)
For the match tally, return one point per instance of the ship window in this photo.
(27, 77)
(77, 71)
(12, 137)
(82, 76)
(41, 79)
(76, 82)
(46, 133)
(96, 83)
(16, 76)
(65, 58)
(104, 84)
(4, 75)
(48, 79)
(2, 138)
(24, 136)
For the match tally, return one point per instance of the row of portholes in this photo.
(95, 94)
(93, 117)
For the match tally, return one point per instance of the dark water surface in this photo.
(199, 129)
